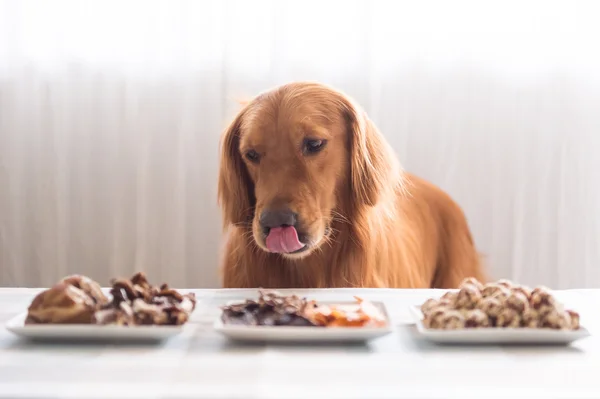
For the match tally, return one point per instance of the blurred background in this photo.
(111, 113)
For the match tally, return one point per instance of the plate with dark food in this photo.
(77, 309)
(277, 317)
(500, 312)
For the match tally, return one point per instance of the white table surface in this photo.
(201, 364)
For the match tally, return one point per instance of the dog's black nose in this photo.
(277, 218)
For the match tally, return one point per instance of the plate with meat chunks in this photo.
(289, 318)
(500, 312)
(77, 309)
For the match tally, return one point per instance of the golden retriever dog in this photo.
(313, 196)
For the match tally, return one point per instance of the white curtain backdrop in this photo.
(111, 112)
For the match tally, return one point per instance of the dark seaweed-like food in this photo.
(271, 309)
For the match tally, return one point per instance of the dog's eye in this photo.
(253, 156)
(312, 146)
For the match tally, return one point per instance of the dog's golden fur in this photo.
(388, 228)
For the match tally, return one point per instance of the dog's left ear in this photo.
(373, 166)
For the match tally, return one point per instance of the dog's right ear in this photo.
(235, 188)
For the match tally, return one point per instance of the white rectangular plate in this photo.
(495, 336)
(304, 334)
(89, 332)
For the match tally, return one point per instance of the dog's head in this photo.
(294, 159)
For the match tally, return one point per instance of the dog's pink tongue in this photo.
(283, 240)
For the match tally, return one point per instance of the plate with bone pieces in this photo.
(77, 309)
(497, 313)
(278, 318)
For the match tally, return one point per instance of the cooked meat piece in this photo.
(62, 304)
